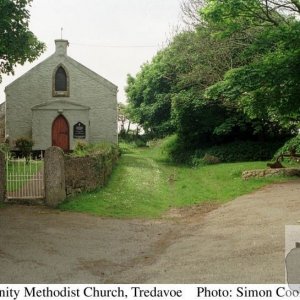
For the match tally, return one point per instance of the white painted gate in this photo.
(25, 179)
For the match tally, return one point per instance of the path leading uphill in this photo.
(239, 242)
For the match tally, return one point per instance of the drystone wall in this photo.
(88, 173)
(271, 172)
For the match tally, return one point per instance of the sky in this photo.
(111, 37)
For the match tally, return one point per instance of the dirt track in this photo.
(240, 242)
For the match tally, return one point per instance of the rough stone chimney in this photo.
(61, 47)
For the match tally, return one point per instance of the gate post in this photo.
(2, 177)
(55, 190)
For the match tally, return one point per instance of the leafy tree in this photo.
(234, 76)
(17, 43)
(267, 85)
(193, 60)
(236, 15)
(149, 96)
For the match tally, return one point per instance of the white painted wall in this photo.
(24, 119)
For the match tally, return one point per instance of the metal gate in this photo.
(25, 179)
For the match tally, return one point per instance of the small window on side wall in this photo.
(60, 82)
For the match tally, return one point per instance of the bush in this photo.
(175, 149)
(25, 145)
(83, 149)
(291, 144)
(239, 151)
(134, 139)
(4, 148)
(206, 160)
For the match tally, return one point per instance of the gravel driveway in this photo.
(239, 242)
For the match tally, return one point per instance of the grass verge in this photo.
(145, 185)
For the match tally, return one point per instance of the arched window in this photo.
(61, 79)
(60, 82)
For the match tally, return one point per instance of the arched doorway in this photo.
(60, 133)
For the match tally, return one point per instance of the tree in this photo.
(190, 12)
(149, 96)
(237, 15)
(267, 85)
(233, 76)
(17, 43)
(193, 61)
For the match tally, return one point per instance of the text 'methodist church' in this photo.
(59, 102)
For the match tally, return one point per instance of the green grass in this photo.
(145, 185)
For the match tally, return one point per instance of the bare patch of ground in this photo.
(239, 242)
(190, 214)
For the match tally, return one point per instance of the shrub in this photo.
(83, 149)
(291, 144)
(210, 159)
(175, 149)
(24, 145)
(4, 148)
(240, 151)
(237, 151)
(134, 139)
(140, 143)
(206, 160)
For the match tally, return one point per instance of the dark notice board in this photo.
(79, 131)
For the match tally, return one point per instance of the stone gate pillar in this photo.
(2, 177)
(55, 191)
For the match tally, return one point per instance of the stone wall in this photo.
(271, 172)
(65, 175)
(88, 173)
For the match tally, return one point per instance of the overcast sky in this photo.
(111, 37)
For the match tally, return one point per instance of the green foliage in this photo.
(235, 77)
(212, 121)
(191, 62)
(175, 150)
(17, 43)
(268, 87)
(148, 96)
(206, 160)
(291, 144)
(83, 149)
(134, 139)
(24, 145)
(231, 16)
(236, 151)
(239, 151)
(4, 148)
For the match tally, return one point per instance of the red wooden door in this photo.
(60, 133)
